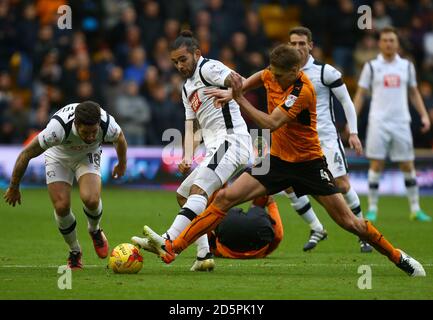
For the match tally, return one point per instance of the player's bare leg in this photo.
(243, 189)
(341, 214)
(408, 169)
(90, 194)
(60, 195)
(352, 200)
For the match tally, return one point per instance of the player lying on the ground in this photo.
(296, 161)
(247, 235)
(71, 144)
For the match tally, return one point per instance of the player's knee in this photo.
(62, 208)
(343, 186)
(406, 166)
(91, 202)
(197, 190)
(181, 200)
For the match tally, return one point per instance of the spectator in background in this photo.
(380, 17)
(112, 89)
(15, 126)
(366, 50)
(344, 42)
(314, 15)
(137, 67)
(133, 114)
(151, 23)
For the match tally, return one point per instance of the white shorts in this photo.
(59, 170)
(220, 164)
(335, 157)
(394, 140)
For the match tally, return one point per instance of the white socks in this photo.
(195, 204)
(353, 202)
(373, 189)
(302, 205)
(412, 190)
(93, 217)
(67, 227)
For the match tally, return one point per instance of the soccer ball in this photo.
(125, 258)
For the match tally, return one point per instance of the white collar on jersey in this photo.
(74, 129)
(382, 59)
(309, 63)
(200, 60)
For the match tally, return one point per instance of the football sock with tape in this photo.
(93, 217)
(194, 205)
(353, 202)
(373, 189)
(202, 224)
(378, 241)
(412, 190)
(303, 207)
(67, 227)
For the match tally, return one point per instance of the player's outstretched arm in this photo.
(223, 96)
(13, 195)
(121, 146)
(273, 121)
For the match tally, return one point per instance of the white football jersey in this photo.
(61, 140)
(324, 77)
(388, 82)
(214, 123)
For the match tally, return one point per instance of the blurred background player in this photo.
(71, 144)
(225, 135)
(389, 78)
(328, 84)
(248, 235)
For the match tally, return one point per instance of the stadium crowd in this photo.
(117, 53)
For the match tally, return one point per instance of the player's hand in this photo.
(12, 196)
(425, 120)
(236, 82)
(355, 143)
(221, 97)
(119, 171)
(184, 167)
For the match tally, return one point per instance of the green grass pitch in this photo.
(31, 249)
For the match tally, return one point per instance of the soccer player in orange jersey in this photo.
(248, 235)
(296, 160)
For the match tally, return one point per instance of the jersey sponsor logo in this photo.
(51, 173)
(194, 99)
(391, 81)
(290, 101)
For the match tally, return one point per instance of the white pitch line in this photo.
(235, 265)
(43, 266)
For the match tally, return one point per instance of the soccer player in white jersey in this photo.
(327, 83)
(225, 135)
(391, 79)
(71, 144)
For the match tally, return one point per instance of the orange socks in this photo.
(203, 223)
(377, 240)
